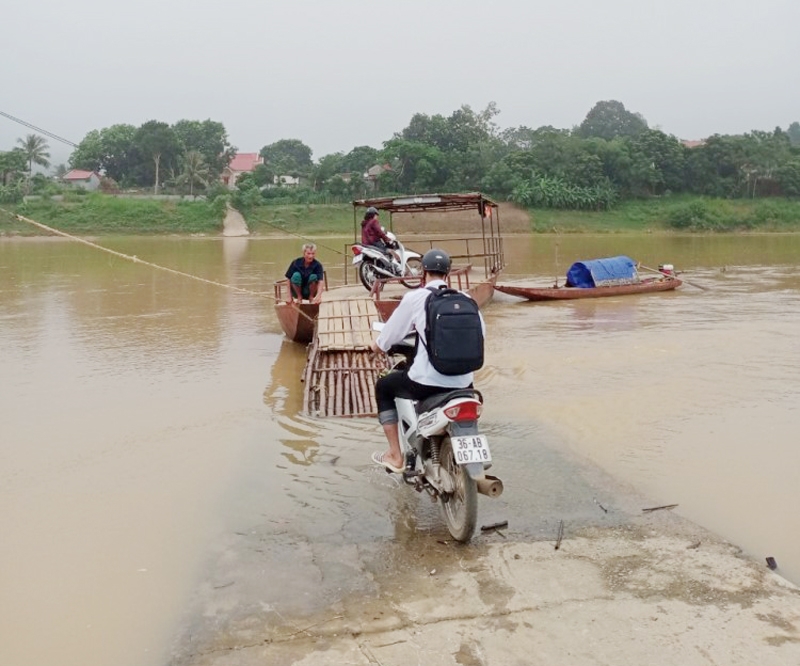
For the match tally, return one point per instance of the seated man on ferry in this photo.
(306, 276)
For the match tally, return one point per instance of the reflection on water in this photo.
(284, 396)
(150, 420)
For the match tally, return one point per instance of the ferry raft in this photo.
(477, 255)
(476, 252)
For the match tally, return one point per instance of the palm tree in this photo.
(194, 170)
(35, 149)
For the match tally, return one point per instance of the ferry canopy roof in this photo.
(414, 203)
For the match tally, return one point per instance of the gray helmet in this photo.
(436, 261)
(372, 210)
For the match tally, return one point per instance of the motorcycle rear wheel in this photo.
(460, 508)
(413, 271)
(367, 274)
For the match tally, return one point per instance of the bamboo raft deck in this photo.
(341, 370)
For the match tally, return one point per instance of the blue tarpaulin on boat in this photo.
(602, 272)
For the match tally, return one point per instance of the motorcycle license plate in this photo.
(470, 449)
(357, 259)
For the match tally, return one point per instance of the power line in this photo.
(39, 129)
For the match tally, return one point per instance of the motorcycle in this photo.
(444, 453)
(374, 265)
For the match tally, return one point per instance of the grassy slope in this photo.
(99, 214)
(694, 213)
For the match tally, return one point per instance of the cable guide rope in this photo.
(136, 260)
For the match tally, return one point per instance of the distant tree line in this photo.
(611, 156)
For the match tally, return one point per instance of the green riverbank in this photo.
(99, 214)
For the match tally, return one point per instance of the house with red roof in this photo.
(78, 178)
(241, 163)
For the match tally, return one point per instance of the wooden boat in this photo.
(296, 319)
(645, 286)
(595, 278)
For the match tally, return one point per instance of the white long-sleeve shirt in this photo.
(410, 316)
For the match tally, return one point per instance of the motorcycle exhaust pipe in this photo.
(490, 486)
(383, 271)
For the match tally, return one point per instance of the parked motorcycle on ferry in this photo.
(374, 265)
(444, 452)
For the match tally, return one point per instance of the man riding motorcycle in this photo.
(420, 380)
(372, 232)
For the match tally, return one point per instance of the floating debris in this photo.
(659, 508)
(494, 526)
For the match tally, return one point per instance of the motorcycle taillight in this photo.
(465, 411)
(356, 249)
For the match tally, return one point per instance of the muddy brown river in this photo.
(147, 420)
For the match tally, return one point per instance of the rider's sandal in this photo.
(377, 458)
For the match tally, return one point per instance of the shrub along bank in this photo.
(682, 214)
(98, 214)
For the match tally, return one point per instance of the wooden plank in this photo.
(329, 384)
(364, 387)
(365, 332)
(322, 323)
(357, 394)
(346, 360)
(320, 388)
(339, 379)
(346, 324)
(367, 314)
(371, 379)
(338, 324)
(308, 376)
(339, 385)
(355, 307)
(323, 389)
(331, 317)
(331, 322)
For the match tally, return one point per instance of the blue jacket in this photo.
(299, 266)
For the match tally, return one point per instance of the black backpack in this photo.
(453, 331)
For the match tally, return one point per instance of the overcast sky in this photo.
(342, 73)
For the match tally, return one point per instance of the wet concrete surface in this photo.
(621, 586)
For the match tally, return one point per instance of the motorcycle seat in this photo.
(440, 399)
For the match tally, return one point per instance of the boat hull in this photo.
(571, 293)
(297, 320)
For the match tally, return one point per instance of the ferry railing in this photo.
(489, 252)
